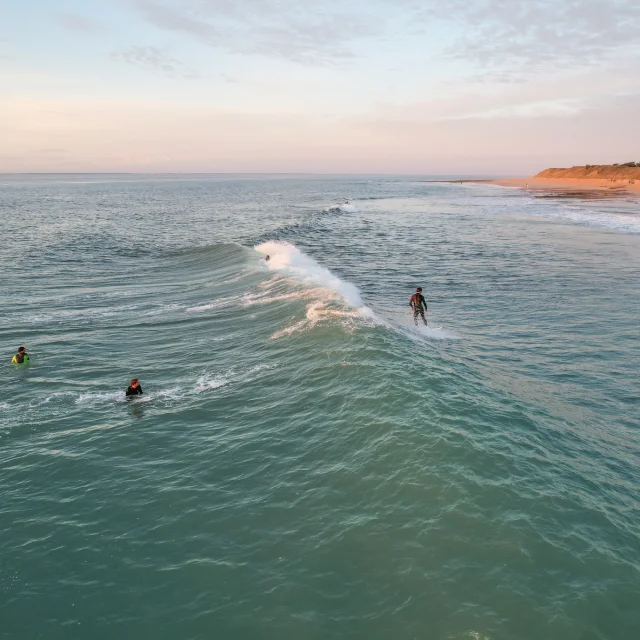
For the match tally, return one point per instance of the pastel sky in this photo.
(331, 86)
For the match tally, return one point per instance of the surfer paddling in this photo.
(419, 306)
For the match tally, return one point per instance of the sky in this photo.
(475, 87)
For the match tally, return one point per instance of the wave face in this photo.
(287, 258)
(305, 460)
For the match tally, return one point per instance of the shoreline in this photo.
(566, 187)
(585, 188)
(569, 184)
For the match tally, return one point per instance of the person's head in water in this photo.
(134, 388)
(267, 258)
(21, 357)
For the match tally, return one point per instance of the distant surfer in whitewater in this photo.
(419, 306)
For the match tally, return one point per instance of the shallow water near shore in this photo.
(305, 462)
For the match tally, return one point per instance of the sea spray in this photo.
(286, 257)
(323, 288)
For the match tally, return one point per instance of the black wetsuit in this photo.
(419, 307)
(133, 391)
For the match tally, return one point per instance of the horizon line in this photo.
(235, 173)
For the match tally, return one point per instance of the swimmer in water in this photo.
(267, 258)
(134, 388)
(21, 357)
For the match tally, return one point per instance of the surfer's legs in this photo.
(415, 316)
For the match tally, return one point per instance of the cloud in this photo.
(78, 23)
(550, 98)
(500, 37)
(154, 59)
(289, 29)
(539, 109)
(521, 34)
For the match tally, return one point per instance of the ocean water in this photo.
(305, 463)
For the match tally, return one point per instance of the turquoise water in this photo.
(305, 462)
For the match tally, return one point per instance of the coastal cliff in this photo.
(594, 172)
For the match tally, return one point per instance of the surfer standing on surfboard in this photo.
(419, 306)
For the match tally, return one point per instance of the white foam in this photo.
(206, 383)
(81, 315)
(316, 312)
(476, 636)
(402, 322)
(309, 322)
(214, 304)
(112, 396)
(163, 308)
(328, 294)
(203, 307)
(265, 366)
(288, 258)
(342, 208)
(173, 393)
(141, 399)
(421, 332)
(588, 213)
(250, 299)
(184, 389)
(625, 222)
(58, 394)
(39, 318)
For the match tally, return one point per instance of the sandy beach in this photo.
(567, 187)
(589, 181)
(569, 184)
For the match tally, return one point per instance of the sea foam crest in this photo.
(342, 208)
(286, 257)
(324, 289)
